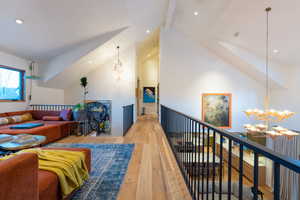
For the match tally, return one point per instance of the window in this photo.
(11, 84)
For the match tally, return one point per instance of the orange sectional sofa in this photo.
(28, 182)
(53, 130)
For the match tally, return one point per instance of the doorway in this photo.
(148, 76)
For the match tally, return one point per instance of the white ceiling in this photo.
(218, 20)
(53, 27)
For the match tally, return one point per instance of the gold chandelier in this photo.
(268, 115)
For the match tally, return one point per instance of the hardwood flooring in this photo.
(152, 171)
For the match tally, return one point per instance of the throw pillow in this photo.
(4, 121)
(26, 117)
(10, 120)
(52, 118)
(16, 118)
(66, 115)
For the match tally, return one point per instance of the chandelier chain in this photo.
(267, 63)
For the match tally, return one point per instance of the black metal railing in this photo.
(127, 118)
(212, 160)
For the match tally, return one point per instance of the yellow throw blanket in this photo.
(69, 166)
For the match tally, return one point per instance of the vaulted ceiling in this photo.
(54, 28)
(219, 20)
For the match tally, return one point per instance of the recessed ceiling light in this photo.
(275, 51)
(196, 13)
(19, 21)
(236, 34)
(147, 31)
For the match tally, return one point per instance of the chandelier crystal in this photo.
(268, 115)
(118, 66)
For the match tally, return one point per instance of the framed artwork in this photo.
(216, 109)
(149, 94)
(99, 115)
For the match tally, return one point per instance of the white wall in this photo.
(40, 95)
(43, 95)
(288, 98)
(187, 70)
(102, 85)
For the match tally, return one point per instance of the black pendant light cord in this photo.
(267, 61)
(118, 47)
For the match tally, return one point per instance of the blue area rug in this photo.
(109, 166)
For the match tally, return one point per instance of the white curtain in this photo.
(289, 181)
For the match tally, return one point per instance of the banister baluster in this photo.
(229, 169)
(214, 163)
(277, 181)
(207, 163)
(198, 159)
(255, 177)
(203, 163)
(185, 147)
(190, 155)
(241, 171)
(194, 160)
(221, 168)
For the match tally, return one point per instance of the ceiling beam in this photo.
(170, 14)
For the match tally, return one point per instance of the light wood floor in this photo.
(152, 171)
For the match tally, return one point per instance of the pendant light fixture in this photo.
(118, 66)
(268, 115)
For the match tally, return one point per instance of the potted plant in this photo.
(84, 83)
(79, 111)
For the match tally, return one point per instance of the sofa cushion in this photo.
(48, 185)
(66, 115)
(19, 177)
(4, 120)
(3, 115)
(8, 118)
(52, 118)
(27, 182)
(48, 181)
(39, 114)
(5, 126)
(16, 119)
(18, 113)
(65, 126)
(26, 126)
(51, 131)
